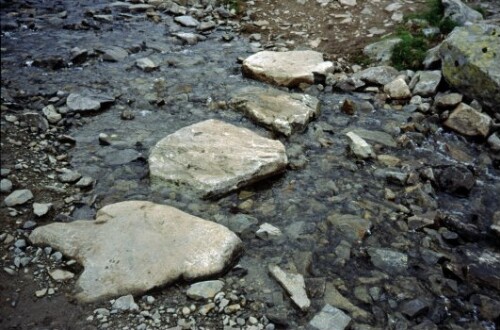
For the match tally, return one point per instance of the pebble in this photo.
(5, 185)
(41, 209)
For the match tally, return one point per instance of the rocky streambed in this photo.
(380, 210)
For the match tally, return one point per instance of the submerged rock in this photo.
(471, 62)
(286, 68)
(293, 284)
(214, 157)
(330, 318)
(135, 246)
(283, 112)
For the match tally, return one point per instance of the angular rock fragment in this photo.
(135, 246)
(468, 121)
(282, 112)
(460, 13)
(389, 261)
(330, 318)
(359, 146)
(146, 64)
(286, 68)
(214, 158)
(425, 83)
(293, 284)
(378, 75)
(397, 89)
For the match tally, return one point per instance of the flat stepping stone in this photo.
(286, 68)
(135, 246)
(280, 111)
(214, 157)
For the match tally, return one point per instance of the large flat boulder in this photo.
(286, 68)
(214, 157)
(470, 58)
(282, 112)
(135, 246)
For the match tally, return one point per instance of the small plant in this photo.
(233, 5)
(410, 52)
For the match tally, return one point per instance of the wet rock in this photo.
(186, 37)
(121, 157)
(5, 186)
(35, 120)
(425, 83)
(391, 175)
(69, 176)
(359, 146)
(415, 307)
(350, 227)
(389, 261)
(146, 64)
(375, 136)
(78, 102)
(483, 267)
(113, 53)
(79, 56)
(220, 157)
(18, 197)
(125, 303)
(467, 121)
(488, 308)
(51, 114)
(397, 89)
(267, 230)
(447, 101)
(134, 246)
(286, 68)
(204, 290)
(330, 318)
(378, 75)
(460, 13)
(241, 223)
(335, 298)
(61, 275)
(495, 226)
(380, 52)
(187, 21)
(293, 284)
(41, 209)
(85, 182)
(456, 179)
(470, 65)
(282, 112)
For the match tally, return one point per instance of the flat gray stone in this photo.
(286, 68)
(18, 197)
(378, 75)
(204, 290)
(330, 318)
(425, 83)
(187, 21)
(69, 176)
(87, 103)
(282, 112)
(389, 261)
(214, 158)
(113, 53)
(135, 246)
(294, 285)
(146, 64)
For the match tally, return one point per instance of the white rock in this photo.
(283, 112)
(214, 157)
(187, 21)
(135, 246)
(41, 209)
(293, 284)
(51, 114)
(286, 68)
(359, 146)
(397, 89)
(146, 64)
(204, 290)
(61, 275)
(40, 293)
(267, 229)
(348, 2)
(125, 303)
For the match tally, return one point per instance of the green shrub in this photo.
(410, 52)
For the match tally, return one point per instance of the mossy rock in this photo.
(470, 58)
